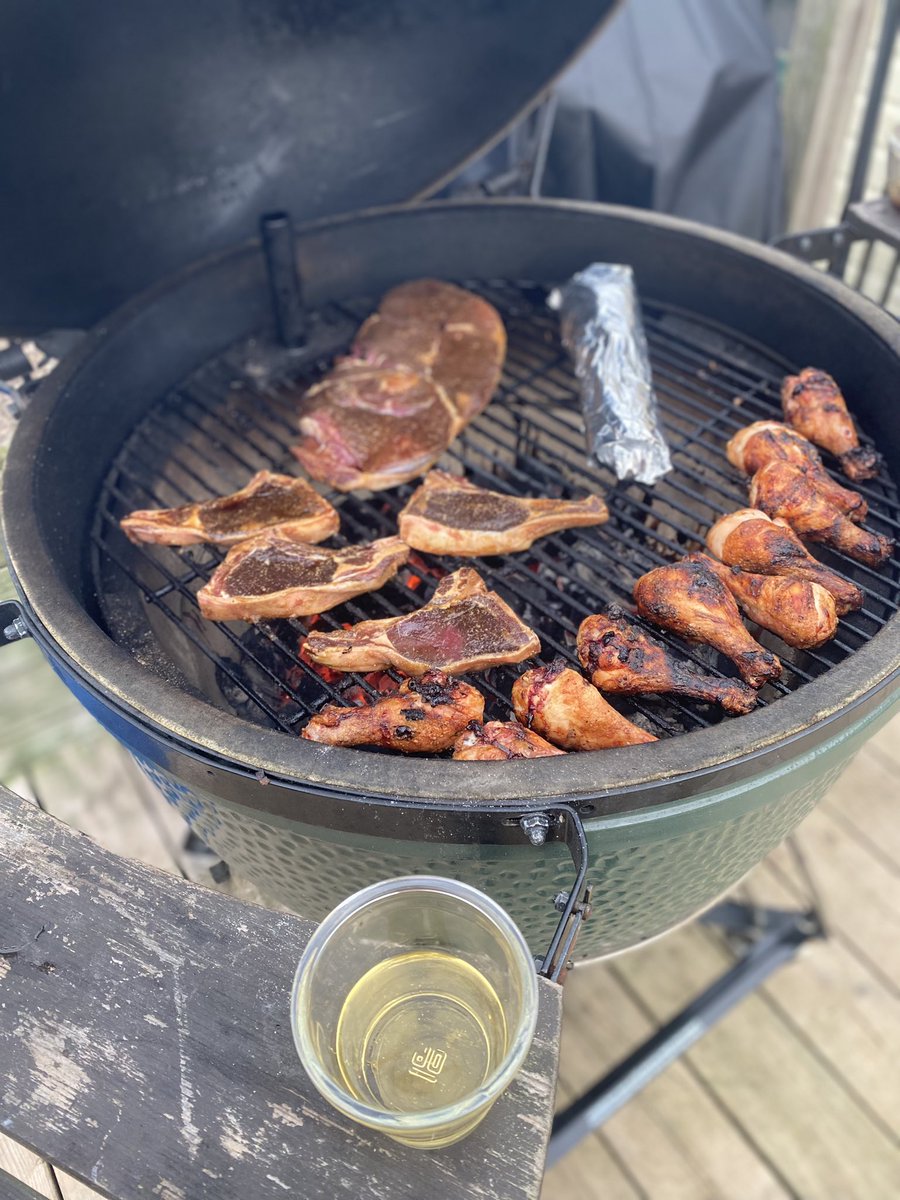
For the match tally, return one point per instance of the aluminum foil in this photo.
(600, 322)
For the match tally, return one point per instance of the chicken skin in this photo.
(498, 741)
(690, 599)
(750, 539)
(763, 442)
(426, 714)
(799, 611)
(620, 658)
(568, 711)
(784, 490)
(813, 404)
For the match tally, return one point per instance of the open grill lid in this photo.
(139, 138)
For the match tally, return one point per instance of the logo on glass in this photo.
(428, 1064)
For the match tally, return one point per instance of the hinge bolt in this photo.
(535, 827)
(16, 631)
(560, 900)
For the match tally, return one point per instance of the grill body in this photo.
(670, 826)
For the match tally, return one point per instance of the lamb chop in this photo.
(418, 371)
(800, 612)
(570, 712)
(620, 658)
(500, 740)
(690, 599)
(463, 627)
(267, 500)
(784, 490)
(426, 714)
(763, 442)
(277, 575)
(750, 539)
(813, 403)
(449, 515)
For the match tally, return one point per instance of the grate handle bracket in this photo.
(277, 232)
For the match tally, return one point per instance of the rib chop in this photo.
(500, 740)
(426, 714)
(419, 370)
(464, 627)
(267, 500)
(277, 575)
(449, 515)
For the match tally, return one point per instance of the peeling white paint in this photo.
(285, 1115)
(232, 1139)
(281, 1183)
(5, 967)
(151, 1020)
(166, 1190)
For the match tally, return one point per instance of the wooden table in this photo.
(145, 1044)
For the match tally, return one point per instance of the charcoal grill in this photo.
(187, 390)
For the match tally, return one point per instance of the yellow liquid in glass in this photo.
(420, 1031)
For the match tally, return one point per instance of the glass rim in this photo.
(495, 1084)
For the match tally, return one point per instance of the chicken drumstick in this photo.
(753, 447)
(800, 612)
(688, 598)
(749, 538)
(784, 490)
(620, 658)
(813, 403)
(567, 710)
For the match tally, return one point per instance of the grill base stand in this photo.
(775, 936)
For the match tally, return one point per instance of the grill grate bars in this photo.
(236, 415)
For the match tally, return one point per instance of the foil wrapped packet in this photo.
(601, 327)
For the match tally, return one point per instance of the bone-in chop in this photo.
(763, 442)
(267, 500)
(813, 403)
(449, 515)
(690, 599)
(567, 710)
(750, 539)
(426, 714)
(277, 575)
(800, 612)
(784, 490)
(621, 659)
(463, 627)
(419, 370)
(500, 740)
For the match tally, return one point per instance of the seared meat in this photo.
(763, 442)
(373, 428)
(464, 627)
(622, 659)
(783, 490)
(426, 714)
(800, 612)
(689, 598)
(443, 332)
(449, 515)
(267, 500)
(277, 575)
(570, 712)
(750, 539)
(813, 403)
(418, 371)
(499, 740)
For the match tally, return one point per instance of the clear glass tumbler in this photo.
(414, 1006)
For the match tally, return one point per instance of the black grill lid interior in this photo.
(137, 138)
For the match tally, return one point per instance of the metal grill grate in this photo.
(237, 414)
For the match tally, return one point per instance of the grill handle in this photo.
(574, 906)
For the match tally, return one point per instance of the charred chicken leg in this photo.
(426, 714)
(620, 658)
(763, 442)
(500, 740)
(799, 611)
(690, 599)
(784, 490)
(813, 403)
(567, 710)
(750, 539)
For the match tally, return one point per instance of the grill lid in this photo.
(139, 138)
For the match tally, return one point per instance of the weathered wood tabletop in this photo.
(145, 1044)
